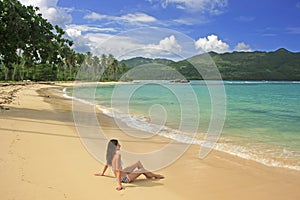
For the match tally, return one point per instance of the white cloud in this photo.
(84, 36)
(139, 42)
(211, 43)
(81, 42)
(298, 4)
(40, 3)
(49, 9)
(138, 17)
(168, 45)
(132, 18)
(192, 21)
(99, 41)
(183, 21)
(121, 46)
(210, 6)
(241, 46)
(95, 16)
(127, 46)
(88, 28)
(73, 32)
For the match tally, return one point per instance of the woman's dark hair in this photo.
(111, 150)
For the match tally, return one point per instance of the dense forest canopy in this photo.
(32, 48)
(28, 40)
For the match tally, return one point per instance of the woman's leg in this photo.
(146, 173)
(149, 174)
(133, 176)
(140, 170)
(132, 167)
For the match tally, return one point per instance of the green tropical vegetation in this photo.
(31, 48)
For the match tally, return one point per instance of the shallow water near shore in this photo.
(261, 124)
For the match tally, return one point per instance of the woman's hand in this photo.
(120, 188)
(103, 171)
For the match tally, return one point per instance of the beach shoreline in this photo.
(42, 157)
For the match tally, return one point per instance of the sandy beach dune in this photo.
(42, 157)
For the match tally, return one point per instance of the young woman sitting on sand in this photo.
(128, 174)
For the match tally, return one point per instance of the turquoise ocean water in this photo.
(262, 118)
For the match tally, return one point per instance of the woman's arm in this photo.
(118, 171)
(120, 186)
(103, 171)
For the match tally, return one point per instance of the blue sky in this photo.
(132, 26)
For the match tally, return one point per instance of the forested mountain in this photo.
(133, 62)
(278, 65)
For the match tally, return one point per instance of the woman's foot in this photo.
(158, 176)
(155, 176)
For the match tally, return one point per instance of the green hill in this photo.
(278, 65)
(137, 61)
